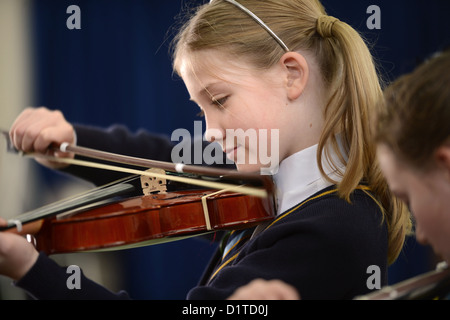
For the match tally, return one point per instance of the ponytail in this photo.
(355, 91)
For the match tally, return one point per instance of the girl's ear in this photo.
(442, 156)
(297, 71)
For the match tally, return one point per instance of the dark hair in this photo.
(416, 117)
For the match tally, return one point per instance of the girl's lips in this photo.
(230, 150)
(231, 153)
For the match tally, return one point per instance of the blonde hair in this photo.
(347, 69)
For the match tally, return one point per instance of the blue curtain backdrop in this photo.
(117, 69)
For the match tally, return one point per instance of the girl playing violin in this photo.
(276, 65)
(414, 154)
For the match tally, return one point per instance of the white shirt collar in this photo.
(299, 177)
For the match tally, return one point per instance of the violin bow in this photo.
(146, 163)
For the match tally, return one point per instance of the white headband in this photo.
(259, 21)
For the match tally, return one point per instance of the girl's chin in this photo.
(249, 167)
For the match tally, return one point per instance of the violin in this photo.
(150, 219)
(114, 217)
(434, 284)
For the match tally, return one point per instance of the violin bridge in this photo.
(151, 185)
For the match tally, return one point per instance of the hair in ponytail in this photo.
(348, 72)
(355, 89)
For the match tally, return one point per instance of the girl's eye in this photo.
(219, 102)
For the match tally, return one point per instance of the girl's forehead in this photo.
(198, 73)
(214, 63)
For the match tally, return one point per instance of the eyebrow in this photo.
(204, 92)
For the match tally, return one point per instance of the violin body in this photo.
(149, 219)
(82, 223)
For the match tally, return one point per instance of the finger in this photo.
(3, 222)
(266, 290)
(19, 127)
(21, 117)
(36, 129)
(254, 290)
(45, 139)
(17, 255)
(55, 130)
(283, 291)
(29, 137)
(27, 124)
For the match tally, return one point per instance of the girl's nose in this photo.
(214, 135)
(420, 235)
(214, 131)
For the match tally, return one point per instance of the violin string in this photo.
(252, 191)
(92, 153)
(112, 189)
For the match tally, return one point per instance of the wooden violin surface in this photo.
(151, 217)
